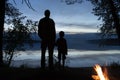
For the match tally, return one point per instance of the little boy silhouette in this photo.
(62, 48)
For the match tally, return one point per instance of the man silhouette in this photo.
(47, 33)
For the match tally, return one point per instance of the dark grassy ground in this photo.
(39, 74)
(62, 74)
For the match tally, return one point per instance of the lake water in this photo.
(83, 51)
(74, 58)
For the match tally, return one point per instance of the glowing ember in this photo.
(100, 75)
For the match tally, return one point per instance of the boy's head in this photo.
(61, 34)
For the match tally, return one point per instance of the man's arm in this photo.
(40, 29)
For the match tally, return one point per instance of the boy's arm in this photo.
(66, 47)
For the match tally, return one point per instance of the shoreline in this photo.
(74, 59)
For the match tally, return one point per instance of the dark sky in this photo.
(69, 18)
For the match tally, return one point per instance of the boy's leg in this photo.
(59, 58)
(63, 59)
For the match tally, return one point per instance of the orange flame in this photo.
(100, 75)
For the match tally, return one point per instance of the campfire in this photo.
(101, 74)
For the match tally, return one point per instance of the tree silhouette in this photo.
(16, 38)
(108, 11)
(4, 10)
(2, 16)
(69, 2)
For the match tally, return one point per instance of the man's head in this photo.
(47, 13)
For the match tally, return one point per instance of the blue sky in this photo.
(69, 18)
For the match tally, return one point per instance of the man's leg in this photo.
(50, 49)
(43, 59)
(43, 50)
